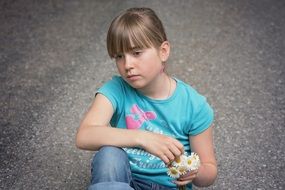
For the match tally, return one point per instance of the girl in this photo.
(144, 119)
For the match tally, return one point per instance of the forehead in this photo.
(130, 43)
(125, 39)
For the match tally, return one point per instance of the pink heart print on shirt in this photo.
(138, 117)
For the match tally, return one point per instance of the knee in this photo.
(106, 150)
(110, 154)
(109, 157)
(110, 164)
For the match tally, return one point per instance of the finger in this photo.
(169, 155)
(181, 183)
(165, 159)
(179, 145)
(192, 172)
(175, 150)
(189, 176)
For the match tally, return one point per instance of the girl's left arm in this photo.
(202, 144)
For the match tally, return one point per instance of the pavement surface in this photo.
(53, 58)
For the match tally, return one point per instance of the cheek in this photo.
(153, 69)
(155, 65)
(120, 68)
(153, 62)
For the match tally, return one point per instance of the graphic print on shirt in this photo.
(137, 117)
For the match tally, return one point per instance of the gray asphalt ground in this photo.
(53, 58)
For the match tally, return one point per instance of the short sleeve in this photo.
(113, 91)
(202, 114)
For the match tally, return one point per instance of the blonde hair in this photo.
(135, 28)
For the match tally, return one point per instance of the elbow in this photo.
(79, 145)
(213, 179)
(208, 178)
(85, 140)
(81, 139)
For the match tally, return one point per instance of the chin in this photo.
(137, 85)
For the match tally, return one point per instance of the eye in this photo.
(118, 56)
(137, 52)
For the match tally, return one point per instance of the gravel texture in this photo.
(53, 58)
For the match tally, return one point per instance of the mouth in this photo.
(133, 77)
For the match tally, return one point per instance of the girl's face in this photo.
(140, 67)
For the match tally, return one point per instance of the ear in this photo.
(164, 51)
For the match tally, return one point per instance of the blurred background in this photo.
(53, 58)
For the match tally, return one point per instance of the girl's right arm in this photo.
(94, 132)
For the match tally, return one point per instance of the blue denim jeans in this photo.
(111, 171)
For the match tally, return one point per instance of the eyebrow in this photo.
(131, 49)
(135, 48)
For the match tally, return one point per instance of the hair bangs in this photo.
(127, 35)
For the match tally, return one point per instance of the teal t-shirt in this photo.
(184, 113)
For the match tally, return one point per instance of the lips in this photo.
(133, 77)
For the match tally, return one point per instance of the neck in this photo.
(160, 88)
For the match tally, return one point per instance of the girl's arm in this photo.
(94, 132)
(202, 144)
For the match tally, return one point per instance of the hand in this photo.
(187, 178)
(164, 147)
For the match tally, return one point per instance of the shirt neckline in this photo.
(170, 98)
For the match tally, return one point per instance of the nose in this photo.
(128, 62)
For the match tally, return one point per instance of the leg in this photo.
(140, 184)
(110, 169)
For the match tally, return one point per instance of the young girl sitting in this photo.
(140, 121)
